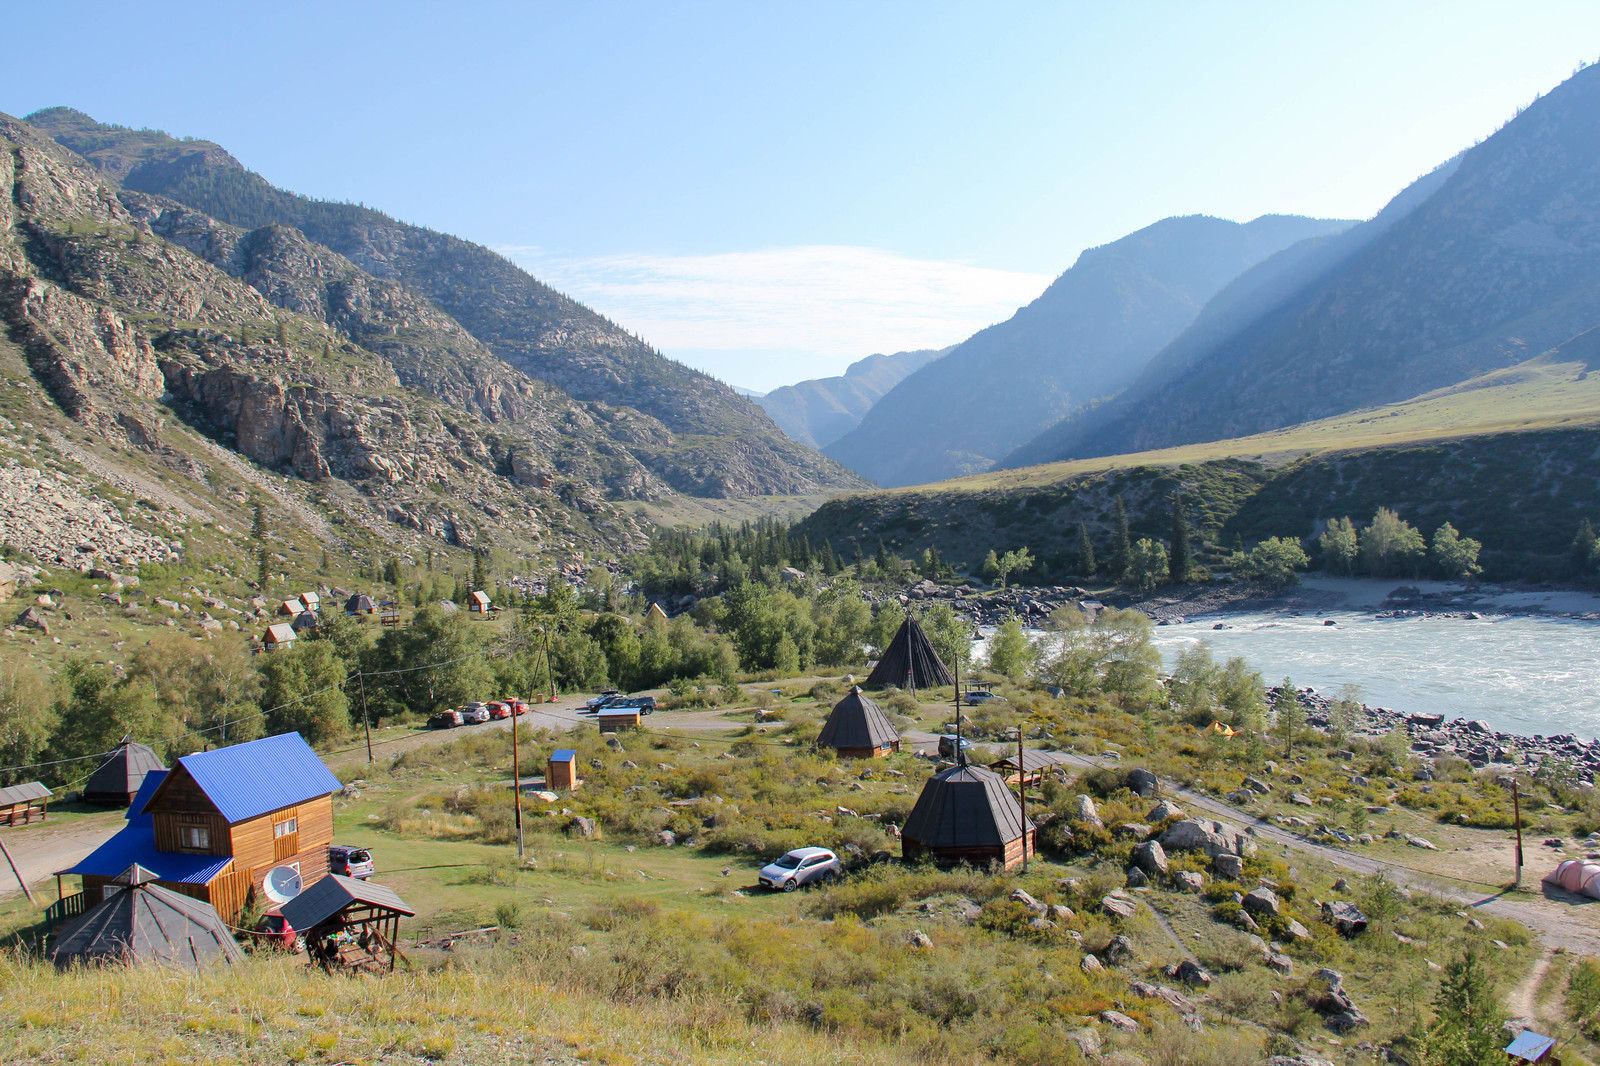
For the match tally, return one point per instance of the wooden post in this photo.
(366, 722)
(961, 756)
(1516, 807)
(1022, 797)
(516, 781)
(26, 891)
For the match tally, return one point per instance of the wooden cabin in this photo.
(478, 603)
(290, 608)
(277, 636)
(23, 803)
(614, 718)
(857, 728)
(117, 780)
(655, 614)
(562, 770)
(966, 814)
(213, 826)
(310, 601)
(305, 622)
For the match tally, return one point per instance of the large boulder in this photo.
(1164, 810)
(1345, 917)
(1204, 834)
(1142, 783)
(1262, 902)
(1088, 814)
(1150, 858)
(1118, 907)
(1227, 867)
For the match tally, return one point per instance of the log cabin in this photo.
(214, 825)
(966, 814)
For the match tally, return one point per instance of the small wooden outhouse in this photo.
(562, 770)
(615, 718)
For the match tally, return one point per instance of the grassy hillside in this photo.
(1505, 457)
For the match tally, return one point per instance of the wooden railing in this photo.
(65, 909)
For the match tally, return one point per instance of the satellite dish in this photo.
(282, 883)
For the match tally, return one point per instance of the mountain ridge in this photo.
(819, 411)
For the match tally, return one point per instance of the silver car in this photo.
(475, 713)
(803, 866)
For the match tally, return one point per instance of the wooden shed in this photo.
(290, 608)
(305, 622)
(910, 662)
(655, 614)
(478, 603)
(966, 814)
(279, 635)
(349, 924)
(857, 728)
(117, 780)
(22, 803)
(614, 718)
(310, 601)
(562, 770)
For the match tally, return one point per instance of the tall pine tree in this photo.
(1121, 545)
(1179, 559)
(1086, 565)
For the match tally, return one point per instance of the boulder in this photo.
(1137, 878)
(1258, 786)
(1203, 834)
(1060, 912)
(1227, 867)
(1088, 1040)
(582, 827)
(1088, 814)
(1170, 996)
(1131, 831)
(1151, 858)
(1344, 916)
(919, 940)
(1118, 951)
(1164, 810)
(1192, 973)
(1119, 1021)
(1118, 907)
(1263, 902)
(1091, 964)
(666, 838)
(1142, 783)
(1190, 881)
(1281, 963)
(1019, 896)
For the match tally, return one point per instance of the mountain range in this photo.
(820, 411)
(1085, 339)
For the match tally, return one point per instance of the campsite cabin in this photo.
(909, 662)
(217, 823)
(857, 728)
(360, 603)
(478, 603)
(1530, 1046)
(966, 814)
(20, 803)
(614, 718)
(290, 608)
(562, 770)
(279, 635)
(349, 924)
(305, 622)
(655, 614)
(139, 921)
(117, 780)
(310, 601)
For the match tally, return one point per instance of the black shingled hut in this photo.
(144, 922)
(857, 728)
(910, 661)
(116, 781)
(967, 814)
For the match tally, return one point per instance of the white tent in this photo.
(1576, 876)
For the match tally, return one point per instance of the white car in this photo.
(803, 866)
(475, 713)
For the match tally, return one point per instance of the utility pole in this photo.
(26, 891)
(516, 783)
(1022, 797)
(961, 755)
(366, 722)
(1516, 807)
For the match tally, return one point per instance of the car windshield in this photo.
(788, 862)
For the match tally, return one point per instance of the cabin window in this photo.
(284, 828)
(194, 836)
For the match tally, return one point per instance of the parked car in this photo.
(349, 861)
(475, 713)
(274, 931)
(802, 866)
(598, 700)
(499, 710)
(646, 704)
(518, 707)
(444, 720)
(948, 742)
(981, 696)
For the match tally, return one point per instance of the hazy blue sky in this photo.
(772, 190)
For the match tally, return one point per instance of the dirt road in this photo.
(40, 850)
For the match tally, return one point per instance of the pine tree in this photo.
(1583, 547)
(1121, 544)
(1468, 1014)
(882, 558)
(1086, 566)
(480, 570)
(283, 337)
(259, 533)
(1289, 717)
(1179, 559)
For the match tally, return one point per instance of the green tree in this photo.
(1180, 560)
(1086, 563)
(1345, 713)
(1196, 684)
(302, 691)
(212, 686)
(1011, 653)
(1121, 543)
(1584, 547)
(1391, 547)
(431, 665)
(844, 623)
(1455, 556)
(1340, 547)
(27, 721)
(989, 569)
(1114, 653)
(950, 634)
(1243, 692)
(1272, 563)
(95, 710)
(1010, 562)
(1147, 564)
(1468, 1015)
(1288, 715)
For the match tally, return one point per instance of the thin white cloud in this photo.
(771, 317)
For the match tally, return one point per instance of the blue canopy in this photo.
(1531, 1046)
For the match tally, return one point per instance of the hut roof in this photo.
(910, 656)
(28, 790)
(360, 602)
(280, 633)
(146, 923)
(481, 598)
(303, 621)
(124, 769)
(857, 722)
(965, 807)
(333, 894)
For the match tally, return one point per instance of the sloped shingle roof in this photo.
(124, 770)
(146, 923)
(333, 894)
(909, 656)
(965, 807)
(857, 722)
(28, 790)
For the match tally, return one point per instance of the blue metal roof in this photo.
(1530, 1046)
(248, 780)
(136, 843)
(563, 755)
(136, 813)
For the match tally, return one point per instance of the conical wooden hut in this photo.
(143, 922)
(858, 728)
(966, 814)
(910, 662)
(116, 781)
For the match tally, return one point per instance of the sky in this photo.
(771, 191)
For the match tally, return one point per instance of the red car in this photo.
(274, 931)
(499, 710)
(518, 706)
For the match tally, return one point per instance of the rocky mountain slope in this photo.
(1497, 263)
(1084, 339)
(692, 432)
(820, 411)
